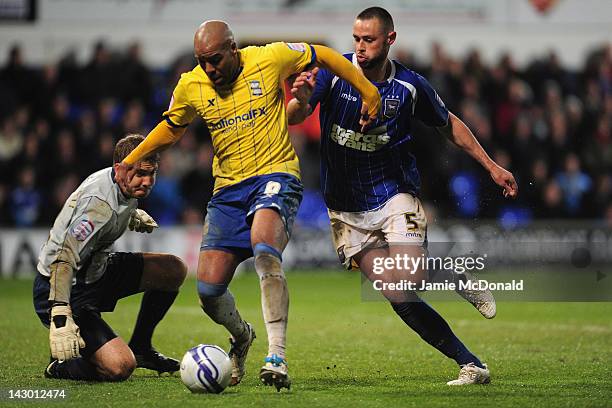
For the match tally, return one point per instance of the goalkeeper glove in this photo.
(64, 335)
(140, 221)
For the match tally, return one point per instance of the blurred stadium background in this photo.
(533, 79)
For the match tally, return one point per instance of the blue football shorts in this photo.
(230, 211)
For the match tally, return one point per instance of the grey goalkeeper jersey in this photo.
(92, 219)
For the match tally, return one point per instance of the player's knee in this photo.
(119, 369)
(180, 270)
(123, 372)
(210, 290)
(267, 261)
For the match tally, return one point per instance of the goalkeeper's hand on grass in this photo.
(140, 221)
(64, 335)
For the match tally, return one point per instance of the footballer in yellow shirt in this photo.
(247, 121)
(239, 94)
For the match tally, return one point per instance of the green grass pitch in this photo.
(342, 352)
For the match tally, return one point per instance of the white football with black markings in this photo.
(206, 369)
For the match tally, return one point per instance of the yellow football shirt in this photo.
(248, 121)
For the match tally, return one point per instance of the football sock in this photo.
(153, 308)
(274, 297)
(75, 369)
(432, 328)
(222, 310)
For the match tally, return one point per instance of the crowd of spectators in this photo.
(551, 126)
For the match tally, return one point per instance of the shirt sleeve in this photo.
(322, 87)
(429, 106)
(90, 216)
(291, 57)
(180, 112)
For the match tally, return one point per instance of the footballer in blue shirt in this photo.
(370, 181)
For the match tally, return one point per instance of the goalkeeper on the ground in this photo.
(79, 276)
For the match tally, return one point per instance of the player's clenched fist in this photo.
(369, 108)
(140, 221)
(373, 102)
(64, 335)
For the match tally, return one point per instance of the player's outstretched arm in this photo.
(458, 133)
(298, 108)
(341, 67)
(160, 138)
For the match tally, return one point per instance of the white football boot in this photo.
(482, 300)
(238, 353)
(274, 372)
(472, 374)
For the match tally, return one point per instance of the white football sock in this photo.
(274, 301)
(222, 310)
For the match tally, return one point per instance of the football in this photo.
(206, 369)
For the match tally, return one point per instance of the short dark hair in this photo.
(129, 143)
(381, 14)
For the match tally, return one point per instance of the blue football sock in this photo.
(432, 328)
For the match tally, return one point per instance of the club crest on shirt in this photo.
(255, 88)
(296, 47)
(82, 229)
(390, 107)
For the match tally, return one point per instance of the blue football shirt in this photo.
(362, 171)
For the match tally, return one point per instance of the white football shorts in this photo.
(400, 220)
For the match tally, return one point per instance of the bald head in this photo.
(212, 35)
(215, 49)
